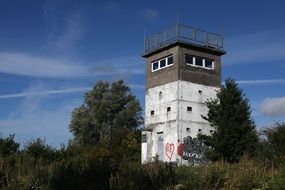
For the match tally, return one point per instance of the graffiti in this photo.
(169, 149)
(192, 150)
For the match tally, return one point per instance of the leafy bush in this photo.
(8, 146)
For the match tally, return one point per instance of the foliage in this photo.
(153, 175)
(235, 132)
(276, 138)
(39, 149)
(8, 146)
(108, 113)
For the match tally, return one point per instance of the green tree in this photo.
(276, 138)
(230, 116)
(108, 113)
(8, 146)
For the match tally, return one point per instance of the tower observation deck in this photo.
(184, 35)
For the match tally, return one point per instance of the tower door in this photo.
(160, 149)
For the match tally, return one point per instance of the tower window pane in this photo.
(162, 63)
(170, 60)
(208, 63)
(155, 66)
(199, 61)
(189, 59)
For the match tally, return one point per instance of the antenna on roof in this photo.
(222, 30)
(177, 16)
(144, 39)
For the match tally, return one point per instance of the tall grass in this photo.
(95, 169)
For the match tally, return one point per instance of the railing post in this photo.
(164, 36)
(177, 31)
(207, 38)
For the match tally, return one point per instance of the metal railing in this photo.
(186, 34)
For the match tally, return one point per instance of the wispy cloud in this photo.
(29, 65)
(150, 14)
(66, 32)
(265, 82)
(47, 92)
(32, 119)
(39, 66)
(57, 91)
(273, 107)
(260, 82)
(255, 48)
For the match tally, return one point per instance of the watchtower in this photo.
(183, 70)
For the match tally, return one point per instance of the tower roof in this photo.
(178, 34)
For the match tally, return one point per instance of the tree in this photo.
(276, 138)
(8, 146)
(230, 115)
(108, 113)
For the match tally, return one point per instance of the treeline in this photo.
(105, 150)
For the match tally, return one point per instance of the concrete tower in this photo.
(183, 70)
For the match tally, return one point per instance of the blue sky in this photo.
(52, 51)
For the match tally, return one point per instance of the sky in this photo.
(53, 51)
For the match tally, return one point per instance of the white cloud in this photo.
(273, 106)
(38, 92)
(41, 115)
(35, 118)
(267, 81)
(39, 66)
(46, 92)
(29, 65)
(255, 48)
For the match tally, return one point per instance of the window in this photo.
(154, 66)
(189, 108)
(162, 63)
(144, 140)
(211, 131)
(200, 91)
(199, 130)
(152, 112)
(170, 60)
(168, 109)
(199, 61)
(189, 59)
(208, 63)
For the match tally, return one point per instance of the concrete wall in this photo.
(178, 123)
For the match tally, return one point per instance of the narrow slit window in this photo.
(189, 59)
(152, 112)
(170, 60)
(189, 108)
(168, 109)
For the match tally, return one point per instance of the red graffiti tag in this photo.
(169, 149)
